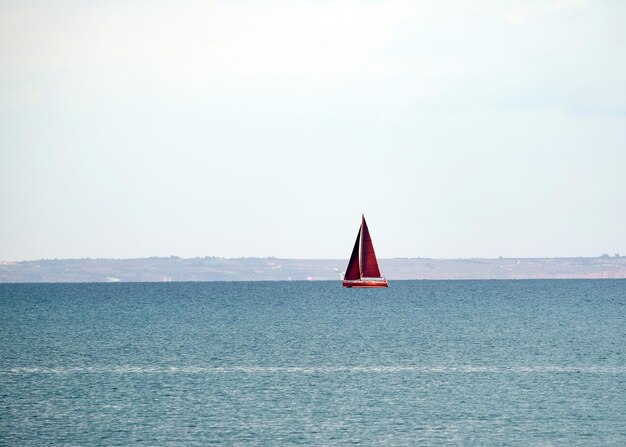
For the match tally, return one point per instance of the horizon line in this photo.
(602, 256)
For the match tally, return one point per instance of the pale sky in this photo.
(242, 128)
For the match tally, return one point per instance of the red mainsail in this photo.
(369, 264)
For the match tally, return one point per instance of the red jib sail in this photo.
(369, 264)
(354, 271)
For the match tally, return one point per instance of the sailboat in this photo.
(362, 268)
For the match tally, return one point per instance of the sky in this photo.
(252, 129)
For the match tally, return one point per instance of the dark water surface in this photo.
(283, 363)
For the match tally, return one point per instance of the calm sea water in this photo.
(285, 363)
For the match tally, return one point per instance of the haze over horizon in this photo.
(255, 129)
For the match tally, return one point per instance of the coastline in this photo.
(165, 269)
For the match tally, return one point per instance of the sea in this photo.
(476, 363)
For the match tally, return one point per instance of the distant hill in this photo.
(273, 269)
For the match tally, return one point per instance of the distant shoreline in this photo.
(173, 268)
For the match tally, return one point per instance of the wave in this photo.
(467, 369)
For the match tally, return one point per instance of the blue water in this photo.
(287, 363)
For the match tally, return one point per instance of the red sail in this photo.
(369, 264)
(353, 271)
